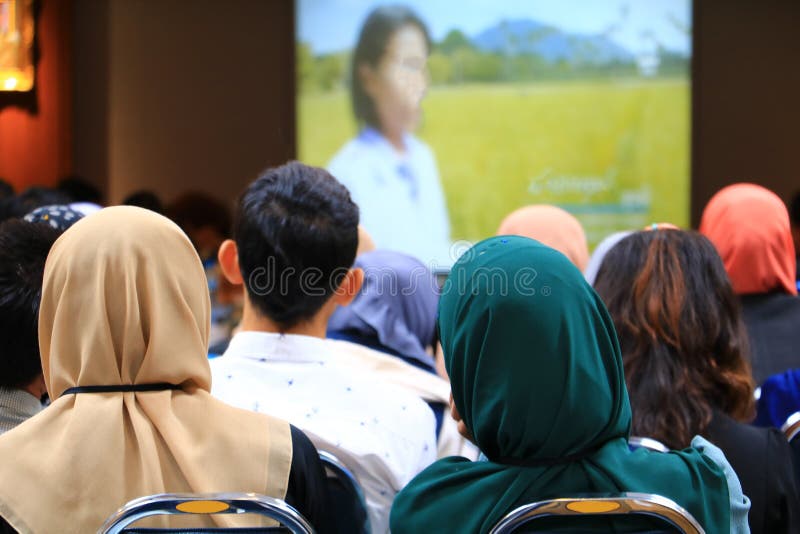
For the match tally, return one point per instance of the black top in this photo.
(308, 485)
(764, 462)
(773, 325)
(307, 491)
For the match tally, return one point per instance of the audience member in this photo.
(23, 251)
(79, 190)
(395, 311)
(123, 328)
(552, 226)
(58, 217)
(538, 384)
(36, 197)
(144, 199)
(207, 222)
(296, 234)
(685, 354)
(749, 226)
(599, 254)
(6, 189)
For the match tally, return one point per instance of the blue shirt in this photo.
(399, 195)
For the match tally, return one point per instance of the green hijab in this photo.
(537, 376)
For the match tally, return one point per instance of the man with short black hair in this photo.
(296, 234)
(23, 251)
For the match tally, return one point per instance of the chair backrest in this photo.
(603, 504)
(791, 428)
(206, 504)
(348, 496)
(639, 442)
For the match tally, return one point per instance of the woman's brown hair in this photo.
(679, 323)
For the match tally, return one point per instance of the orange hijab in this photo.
(551, 226)
(125, 301)
(749, 226)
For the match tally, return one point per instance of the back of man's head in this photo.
(23, 251)
(296, 231)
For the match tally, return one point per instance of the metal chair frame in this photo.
(647, 443)
(791, 428)
(233, 503)
(602, 504)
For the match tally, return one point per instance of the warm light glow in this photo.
(16, 45)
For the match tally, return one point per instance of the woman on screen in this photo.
(391, 174)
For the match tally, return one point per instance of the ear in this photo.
(228, 256)
(349, 288)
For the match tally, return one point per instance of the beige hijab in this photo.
(125, 301)
(551, 226)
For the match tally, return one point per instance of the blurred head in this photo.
(6, 189)
(206, 220)
(36, 197)
(23, 250)
(552, 226)
(531, 352)
(681, 333)
(145, 199)
(749, 226)
(296, 234)
(389, 69)
(78, 189)
(396, 307)
(124, 301)
(599, 254)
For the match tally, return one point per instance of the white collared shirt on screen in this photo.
(384, 434)
(399, 196)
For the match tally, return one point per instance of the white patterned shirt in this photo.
(384, 434)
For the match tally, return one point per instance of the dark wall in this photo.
(746, 96)
(173, 95)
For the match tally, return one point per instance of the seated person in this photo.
(207, 222)
(551, 226)
(296, 233)
(395, 311)
(684, 348)
(123, 325)
(749, 226)
(537, 382)
(23, 251)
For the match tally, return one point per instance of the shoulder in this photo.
(350, 157)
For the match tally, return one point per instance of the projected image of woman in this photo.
(391, 174)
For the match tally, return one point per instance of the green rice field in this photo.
(614, 153)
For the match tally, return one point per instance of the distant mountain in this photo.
(525, 36)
